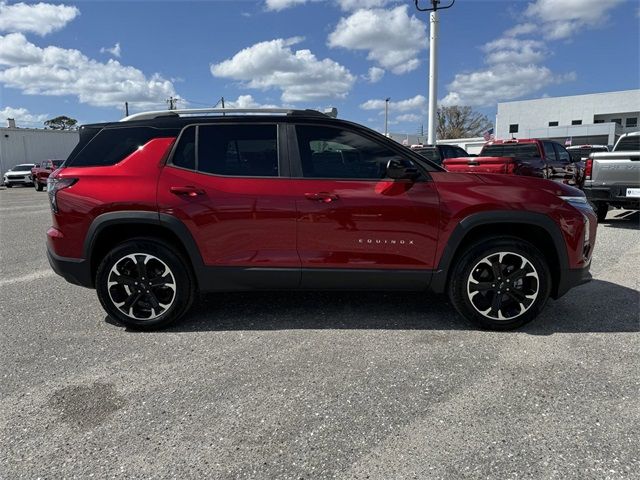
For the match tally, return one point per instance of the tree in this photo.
(461, 122)
(61, 123)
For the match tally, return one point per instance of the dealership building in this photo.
(598, 118)
(33, 145)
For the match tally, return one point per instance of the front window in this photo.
(328, 152)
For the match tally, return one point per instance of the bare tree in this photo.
(461, 122)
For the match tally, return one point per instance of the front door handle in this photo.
(188, 191)
(322, 197)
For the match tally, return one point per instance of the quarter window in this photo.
(328, 152)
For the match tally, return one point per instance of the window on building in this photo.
(553, 124)
(617, 120)
(576, 122)
(631, 122)
(513, 128)
(598, 121)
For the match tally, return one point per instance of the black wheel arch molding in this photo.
(466, 226)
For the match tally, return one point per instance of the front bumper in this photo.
(570, 278)
(73, 270)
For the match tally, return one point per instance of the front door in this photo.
(224, 183)
(357, 228)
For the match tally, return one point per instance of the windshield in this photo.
(21, 168)
(522, 150)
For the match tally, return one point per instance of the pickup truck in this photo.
(39, 174)
(529, 157)
(613, 178)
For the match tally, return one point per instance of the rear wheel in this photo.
(144, 284)
(500, 283)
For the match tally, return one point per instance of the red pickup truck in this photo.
(41, 173)
(529, 157)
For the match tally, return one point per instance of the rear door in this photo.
(357, 228)
(226, 183)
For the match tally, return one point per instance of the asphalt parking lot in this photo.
(315, 385)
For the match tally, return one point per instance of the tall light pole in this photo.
(386, 116)
(433, 64)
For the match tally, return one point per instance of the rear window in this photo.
(522, 150)
(112, 145)
(629, 144)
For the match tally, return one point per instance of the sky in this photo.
(85, 59)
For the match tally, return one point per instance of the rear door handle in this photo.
(188, 191)
(322, 197)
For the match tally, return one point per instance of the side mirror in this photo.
(401, 169)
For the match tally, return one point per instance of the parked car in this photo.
(39, 174)
(438, 153)
(613, 178)
(18, 175)
(154, 208)
(528, 157)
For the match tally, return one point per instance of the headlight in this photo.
(575, 200)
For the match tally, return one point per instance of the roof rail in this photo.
(224, 111)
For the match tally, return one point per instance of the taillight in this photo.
(588, 169)
(54, 185)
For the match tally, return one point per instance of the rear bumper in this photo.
(570, 278)
(73, 270)
(612, 194)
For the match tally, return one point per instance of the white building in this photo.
(33, 145)
(598, 118)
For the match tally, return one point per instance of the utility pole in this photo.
(386, 116)
(172, 103)
(126, 109)
(433, 64)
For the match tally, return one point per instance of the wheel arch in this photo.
(535, 228)
(110, 229)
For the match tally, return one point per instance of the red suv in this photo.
(152, 209)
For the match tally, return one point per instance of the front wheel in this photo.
(500, 283)
(37, 185)
(144, 284)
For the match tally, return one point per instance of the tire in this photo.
(150, 307)
(482, 268)
(601, 211)
(8, 185)
(37, 185)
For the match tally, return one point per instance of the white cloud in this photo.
(563, 20)
(299, 74)
(521, 29)
(22, 116)
(415, 103)
(360, 4)
(59, 71)
(498, 83)
(39, 18)
(408, 118)
(392, 37)
(116, 51)
(278, 5)
(513, 50)
(246, 101)
(374, 75)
